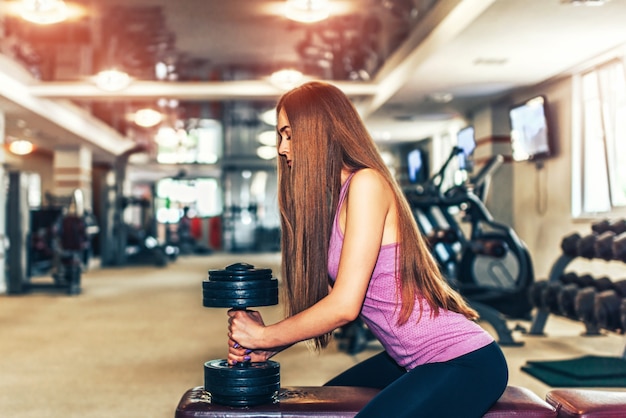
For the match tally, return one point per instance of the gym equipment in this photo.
(596, 302)
(569, 244)
(586, 246)
(487, 262)
(241, 286)
(345, 402)
(617, 226)
(619, 247)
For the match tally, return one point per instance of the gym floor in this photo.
(136, 338)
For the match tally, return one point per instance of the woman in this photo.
(350, 247)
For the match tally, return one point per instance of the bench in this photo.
(587, 403)
(343, 402)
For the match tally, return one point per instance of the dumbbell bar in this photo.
(241, 286)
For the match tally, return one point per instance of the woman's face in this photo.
(284, 132)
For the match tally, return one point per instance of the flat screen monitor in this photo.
(466, 140)
(415, 164)
(530, 133)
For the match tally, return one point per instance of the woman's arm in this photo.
(366, 210)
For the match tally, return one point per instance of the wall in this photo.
(540, 204)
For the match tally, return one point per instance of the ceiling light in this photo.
(441, 97)
(269, 117)
(148, 118)
(307, 11)
(585, 2)
(167, 137)
(266, 153)
(112, 80)
(44, 12)
(286, 79)
(267, 138)
(21, 147)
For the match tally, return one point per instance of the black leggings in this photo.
(466, 386)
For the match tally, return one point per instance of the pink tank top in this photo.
(432, 340)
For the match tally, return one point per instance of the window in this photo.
(599, 146)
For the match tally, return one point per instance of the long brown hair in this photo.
(327, 135)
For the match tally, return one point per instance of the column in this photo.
(72, 171)
(3, 213)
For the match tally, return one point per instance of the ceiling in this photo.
(410, 53)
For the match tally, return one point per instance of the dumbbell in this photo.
(617, 226)
(607, 306)
(572, 283)
(619, 247)
(585, 301)
(586, 246)
(569, 244)
(241, 286)
(604, 245)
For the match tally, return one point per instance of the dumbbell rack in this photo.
(599, 245)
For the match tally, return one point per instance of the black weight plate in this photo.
(243, 381)
(240, 285)
(243, 271)
(239, 277)
(243, 401)
(213, 380)
(221, 368)
(250, 390)
(239, 302)
(239, 294)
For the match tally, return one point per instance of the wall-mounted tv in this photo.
(466, 140)
(530, 131)
(415, 166)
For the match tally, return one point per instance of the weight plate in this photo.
(221, 368)
(237, 294)
(240, 285)
(243, 391)
(239, 302)
(244, 401)
(226, 276)
(213, 380)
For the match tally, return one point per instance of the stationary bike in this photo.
(483, 259)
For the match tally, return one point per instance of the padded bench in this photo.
(587, 403)
(343, 402)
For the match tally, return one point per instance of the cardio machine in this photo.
(483, 259)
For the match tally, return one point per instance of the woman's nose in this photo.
(283, 148)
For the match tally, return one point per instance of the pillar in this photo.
(493, 136)
(3, 214)
(71, 170)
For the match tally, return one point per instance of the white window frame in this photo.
(599, 141)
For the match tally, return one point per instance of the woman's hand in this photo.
(245, 327)
(239, 354)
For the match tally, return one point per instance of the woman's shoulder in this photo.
(368, 179)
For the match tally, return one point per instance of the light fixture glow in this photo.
(307, 11)
(267, 138)
(286, 79)
(167, 137)
(266, 153)
(44, 12)
(112, 80)
(269, 117)
(148, 118)
(21, 147)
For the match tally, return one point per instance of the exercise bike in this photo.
(483, 259)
